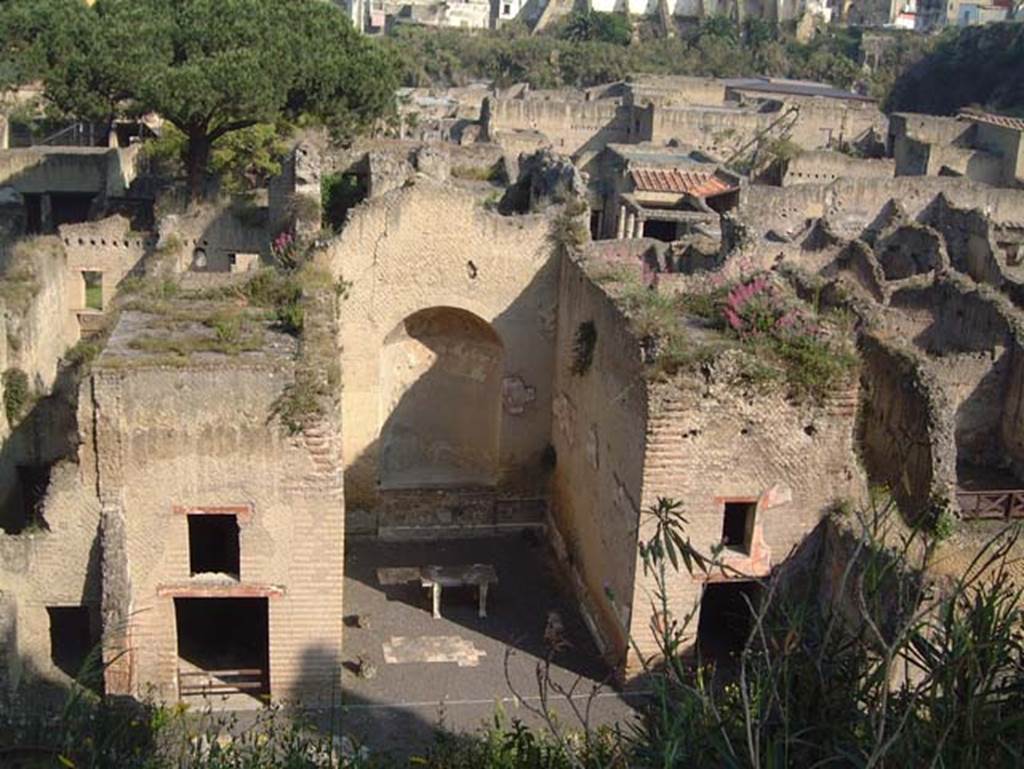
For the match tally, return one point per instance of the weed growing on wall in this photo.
(569, 232)
(17, 394)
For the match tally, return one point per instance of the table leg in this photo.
(482, 588)
(435, 594)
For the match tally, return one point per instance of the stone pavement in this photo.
(458, 669)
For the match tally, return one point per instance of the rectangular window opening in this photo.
(213, 545)
(738, 525)
(93, 289)
(72, 640)
(23, 511)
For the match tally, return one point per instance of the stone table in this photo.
(483, 575)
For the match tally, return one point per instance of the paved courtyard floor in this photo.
(458, 669)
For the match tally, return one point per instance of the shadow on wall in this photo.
(441, 372)
(459, 409)
(44, 436)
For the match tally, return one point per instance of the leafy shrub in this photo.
(17, 394)
(583, 347)
(339, 193)
(583, 26)
(286, 250)
(569, 232)
(302, 401)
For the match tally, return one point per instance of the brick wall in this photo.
(712, 441)
(153, 465)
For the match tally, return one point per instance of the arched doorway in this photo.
(441, 371)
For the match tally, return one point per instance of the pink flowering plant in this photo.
(756, 308)
(285, 250)
(779, 332)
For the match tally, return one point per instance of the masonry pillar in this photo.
(46, 215)
(620, 232)
(638, 227)
(116, 599)
(630, 224)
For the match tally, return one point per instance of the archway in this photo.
(441, 371)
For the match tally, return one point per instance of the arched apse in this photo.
(441, 372)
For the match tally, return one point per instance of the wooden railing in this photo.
(991, 504)
(199, 683)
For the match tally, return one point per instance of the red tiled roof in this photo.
(999, 120)
(701, 184)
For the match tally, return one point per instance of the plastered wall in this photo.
(826, 166)
(68, 169)
(599, 435)
(434, 246)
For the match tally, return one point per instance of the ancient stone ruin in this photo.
(590, 303)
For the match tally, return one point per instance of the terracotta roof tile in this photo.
(698, 183)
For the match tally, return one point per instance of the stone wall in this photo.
(599, 436)
(726, 129)
(40, 327)
(907, 427)
(154, 467)
(55, 567)
(852, 205)
(108, 246)
(675, 89)
(495, 274)
(204, 238)
(1008, 144)
(822, 166)
(39, 170)
(572, 126)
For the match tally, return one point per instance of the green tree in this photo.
(582, 26)
(209, 67)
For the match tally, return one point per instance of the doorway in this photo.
(726, 618)
(223, 646)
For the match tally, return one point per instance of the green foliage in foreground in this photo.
(901, 674)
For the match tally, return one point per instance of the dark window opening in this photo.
(726, 618)
(24, 508)
(738, 525)
(70, 207)
(223, 646)
(72, 640)
(213, 544)
(595, 225)
(664, 231)
(93, 289)
(340, 193)
(33, 214)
